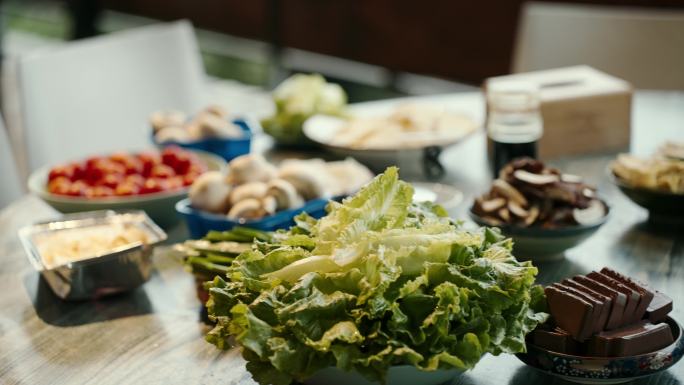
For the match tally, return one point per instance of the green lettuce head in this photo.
(298, 98)
(379, 281)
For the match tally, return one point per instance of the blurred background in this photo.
(375, 49)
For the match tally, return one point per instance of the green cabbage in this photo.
(298, 98)
(377, 282)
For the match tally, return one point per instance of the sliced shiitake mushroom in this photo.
(504, 214)
(491, 205)
(595, 211)
(535, 179)
(517, 210)
(533, 214)
(510, 192)
(571, 178)
(492, 221)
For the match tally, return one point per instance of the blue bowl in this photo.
(228, 149)
(201, 222)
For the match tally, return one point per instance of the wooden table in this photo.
(153, 335)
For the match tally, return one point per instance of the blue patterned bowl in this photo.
(605, 370)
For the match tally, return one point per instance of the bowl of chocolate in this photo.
(605, 328)
(544, 210)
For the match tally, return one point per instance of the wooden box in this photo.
(584, 110)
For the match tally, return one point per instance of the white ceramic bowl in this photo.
(158, 206)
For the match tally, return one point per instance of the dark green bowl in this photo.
(662, 206)
(541, 244)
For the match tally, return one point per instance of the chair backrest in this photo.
(95, 95)
(642, 46)
(10, 187)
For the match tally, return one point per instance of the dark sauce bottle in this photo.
(514, 122)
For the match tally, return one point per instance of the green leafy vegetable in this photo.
(298, 98)
(379, 281)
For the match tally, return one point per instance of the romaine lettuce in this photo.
(377, 282)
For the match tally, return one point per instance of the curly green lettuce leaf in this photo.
(378, 282)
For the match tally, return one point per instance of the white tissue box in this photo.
(584, 110)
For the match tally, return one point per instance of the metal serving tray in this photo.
(120, 270)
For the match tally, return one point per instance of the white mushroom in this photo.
(250, 168)
(284, 193)
(217, 110)
(269, 205)
(250, 208)
(161, 119)
(172, 133)
(347, 176)
(212, 126)
(256, 190)
(210, 192)
(309, 177)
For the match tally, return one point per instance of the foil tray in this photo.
(120, 270)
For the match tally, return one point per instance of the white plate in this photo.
(322, 129)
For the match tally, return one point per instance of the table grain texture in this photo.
(153, 335)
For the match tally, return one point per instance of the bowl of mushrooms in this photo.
(210, 130)
(545, 211)
(261, 195)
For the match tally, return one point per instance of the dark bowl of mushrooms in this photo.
(545, 211)
(260, 195)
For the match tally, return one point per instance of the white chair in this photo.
(95, 95)
(11, 186)
(642, 46)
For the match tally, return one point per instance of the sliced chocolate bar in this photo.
(619, 300)
(598, 305)
(633, 296)
(639, 338)
(659, 308)
(556, 340)
(645, 292)
(607, 301)
(571, 313)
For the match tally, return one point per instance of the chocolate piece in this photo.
(659, 308)
(618, 298)
(571, 313)
(607, 301)
(645, 292)
(639, 338)
(598, 306)
(556, 340)
(633, 296)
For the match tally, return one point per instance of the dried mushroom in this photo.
(527, 193)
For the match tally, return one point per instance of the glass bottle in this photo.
(514, 122)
